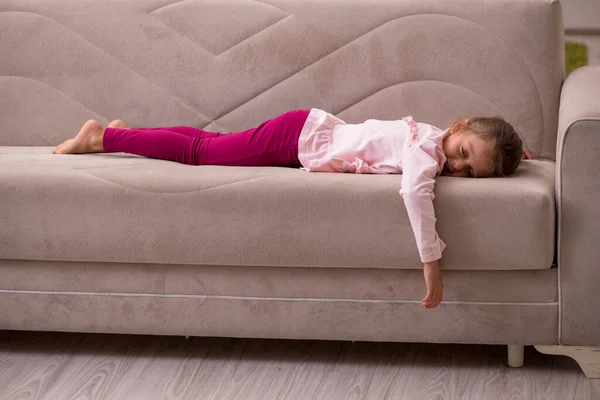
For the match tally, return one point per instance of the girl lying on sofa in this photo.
(317, 141)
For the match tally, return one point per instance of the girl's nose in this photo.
(458, 166)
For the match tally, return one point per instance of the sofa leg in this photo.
(515, 355)
(588, 358)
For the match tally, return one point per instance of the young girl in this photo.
(317, 141)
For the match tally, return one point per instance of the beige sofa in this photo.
(121, 243)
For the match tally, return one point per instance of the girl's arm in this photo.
(418, 178)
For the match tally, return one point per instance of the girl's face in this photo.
(468, 155)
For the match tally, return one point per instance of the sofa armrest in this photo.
(578, 203)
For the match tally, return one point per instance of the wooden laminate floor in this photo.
(65, 366)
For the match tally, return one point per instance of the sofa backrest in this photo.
(227, 65)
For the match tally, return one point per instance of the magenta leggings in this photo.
(272, 143)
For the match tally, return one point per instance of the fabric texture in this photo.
(519, 286)
(495, 307)
(378, 321)
(227, 66)
(272, 143)
(578, 194)
(141, 210)
(121, 243)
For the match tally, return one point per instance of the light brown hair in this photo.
(507, 146)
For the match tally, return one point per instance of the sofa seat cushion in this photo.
(119, 207)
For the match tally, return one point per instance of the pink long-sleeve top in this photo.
(328, 144)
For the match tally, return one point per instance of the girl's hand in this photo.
(435, 287)
(527, 155)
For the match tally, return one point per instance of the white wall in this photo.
(581, 14)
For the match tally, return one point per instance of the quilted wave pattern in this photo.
(228, 65)
(204, 25)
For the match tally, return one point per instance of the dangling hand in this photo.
(435, 287)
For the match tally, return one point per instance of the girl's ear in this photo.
(459, 125)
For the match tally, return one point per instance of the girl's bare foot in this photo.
(88, 140)
(117, 123)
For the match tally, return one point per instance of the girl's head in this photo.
(481, 148)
